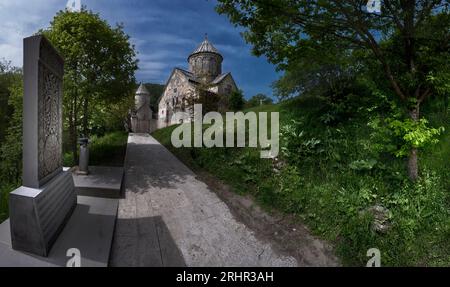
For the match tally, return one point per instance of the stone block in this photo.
(37, 215)
(102, 181)
(90, 229)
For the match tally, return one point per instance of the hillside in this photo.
(331, 176)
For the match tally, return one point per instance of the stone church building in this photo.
(205, 70)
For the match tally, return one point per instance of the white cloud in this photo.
(20, 19)
(157, 61)
(170, 39)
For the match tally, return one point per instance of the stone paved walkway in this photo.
(169, 218)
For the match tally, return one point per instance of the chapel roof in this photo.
(142, 90)
(189, 75)
(206, 47)
(220, 78)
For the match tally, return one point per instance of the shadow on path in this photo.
(144, 242)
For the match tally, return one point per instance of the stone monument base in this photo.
(37, 216)
(102, 181)
(90, 229)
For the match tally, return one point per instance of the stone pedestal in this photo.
(83, 165)
(37, 215)
(90, 229)
(102, 181)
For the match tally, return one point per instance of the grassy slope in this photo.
(331, 198)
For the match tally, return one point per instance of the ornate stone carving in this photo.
(50, 112)
(48, 56)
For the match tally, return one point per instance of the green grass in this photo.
(319, 186)
(108, 150)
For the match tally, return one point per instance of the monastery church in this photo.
(205, 69)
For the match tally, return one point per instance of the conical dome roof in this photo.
(206, 47)
(142, 90)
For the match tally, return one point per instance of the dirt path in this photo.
(285, 234)
(168, 217)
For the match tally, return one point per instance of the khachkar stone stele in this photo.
(142, 114)
(40, 208)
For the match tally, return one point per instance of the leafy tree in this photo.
(8, 75)
(280, 28)
(322, 70)
(211, 102)
(11, 147)
(256, 100)
(156, 91)
(99, 70)
(236, 101)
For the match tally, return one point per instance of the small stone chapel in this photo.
(205, 68)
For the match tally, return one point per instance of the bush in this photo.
(104, 150)
(332, 173)
(236, 101)
(258, 100)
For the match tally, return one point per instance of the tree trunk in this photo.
(409, 41)
(73, 143)
(413, 165)
(73, 129)
(85, 116)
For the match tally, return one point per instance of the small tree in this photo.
(236, 101)
(257, 100)
(211, 102)
(8, 76)
(11, 146)
(100, 64)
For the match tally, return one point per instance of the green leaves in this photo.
(363, 164)
(257, 100)
(414, 134)
(440, 80)
(99, 64)
(236, 101)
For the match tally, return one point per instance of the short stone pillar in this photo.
(142, 114)
(41, 207)
(83, 166)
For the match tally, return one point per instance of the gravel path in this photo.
(169, 218)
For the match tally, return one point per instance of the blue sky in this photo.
(164, 32)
